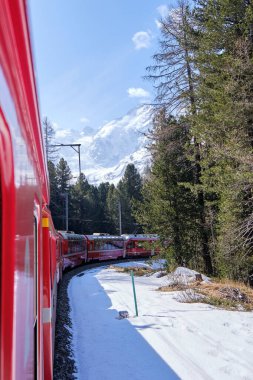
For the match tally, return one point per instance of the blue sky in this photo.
(90, 57)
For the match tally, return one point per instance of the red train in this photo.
(33, 254)
(74, 249)
(104, 247)
(77, 249)
(141, 245)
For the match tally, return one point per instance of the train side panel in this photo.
(74, 249)
(141, 245)
(104, 247)
(23, 190)
(52, 267)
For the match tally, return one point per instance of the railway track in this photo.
(64, 364)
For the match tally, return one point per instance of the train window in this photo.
(118, 244)
(97, 244)
(130, 244)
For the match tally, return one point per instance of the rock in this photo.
(123, 314)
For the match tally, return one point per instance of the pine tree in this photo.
(112, 206)
(132, 183)
(55, 198)
(79, 206)
(169, 206)
(94, 209)
(63, 176)
(104, 220)
(129, 191)
(224, 125)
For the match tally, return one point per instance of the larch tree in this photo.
(176, 79)
(49, 135)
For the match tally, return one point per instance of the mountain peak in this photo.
(106, 153)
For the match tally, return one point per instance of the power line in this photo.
(76, 150)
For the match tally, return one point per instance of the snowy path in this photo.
(169, 340)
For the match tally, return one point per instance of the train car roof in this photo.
(140, 236)
(69, 235)
(104, 237)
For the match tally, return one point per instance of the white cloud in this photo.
(84, 120)
(55, 125)
(137, 92)
(163, 10)
(62, 133)
(158, 24)
(142, 40)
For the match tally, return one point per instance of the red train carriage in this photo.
(74, 249)
(141, 245)
(28, 265)
(104, 247)
(52, 273)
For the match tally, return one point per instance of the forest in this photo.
(94, 208)
(198, 193)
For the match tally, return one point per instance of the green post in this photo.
(135, 301)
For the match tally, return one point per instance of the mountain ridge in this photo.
(106, 153)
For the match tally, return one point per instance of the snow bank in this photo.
(168, 340)
(149, 264)
(185, 275)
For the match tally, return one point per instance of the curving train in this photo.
(79, 249)
(33, 255)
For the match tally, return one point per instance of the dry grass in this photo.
(225, 294)
(137, 271)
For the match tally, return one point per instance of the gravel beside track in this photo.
(64, 364)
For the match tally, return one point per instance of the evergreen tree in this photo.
(94, 209)
(112, 206)
(129, 191)
(63, 176)
(169, 206)
(79, 206)
(55, 199)
(224, 124)
(104, 217)
(132, 183)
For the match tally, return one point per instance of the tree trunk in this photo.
(201, 199)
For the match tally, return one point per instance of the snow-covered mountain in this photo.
(106, 153)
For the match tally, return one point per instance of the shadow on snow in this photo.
(105, 347)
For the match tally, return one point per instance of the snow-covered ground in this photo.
(168, 340)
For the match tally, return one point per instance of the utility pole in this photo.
(67, 210)
(77, 150)
(120, 225)
(66, 196)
